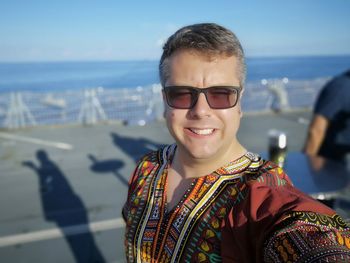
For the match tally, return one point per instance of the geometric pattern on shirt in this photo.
(309, 237)
(165, 241)
(191, 232)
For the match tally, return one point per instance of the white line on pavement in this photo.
(60, 145)
(61, 232)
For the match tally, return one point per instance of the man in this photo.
(329, 131)
(206, 198)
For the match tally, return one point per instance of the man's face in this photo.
(203, 133)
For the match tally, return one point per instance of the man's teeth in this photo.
(202, 131)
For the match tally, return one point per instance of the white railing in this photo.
(137, 106)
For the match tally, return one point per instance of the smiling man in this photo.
(206, 198)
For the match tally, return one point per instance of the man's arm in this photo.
(316, 133)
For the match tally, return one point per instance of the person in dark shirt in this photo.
(329, 131)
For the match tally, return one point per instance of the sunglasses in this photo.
(218, 97)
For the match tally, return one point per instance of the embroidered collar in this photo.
(248, 160)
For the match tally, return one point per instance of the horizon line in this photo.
(157, 59)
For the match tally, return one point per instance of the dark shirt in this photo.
(334, 104)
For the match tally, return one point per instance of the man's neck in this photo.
(189, 167)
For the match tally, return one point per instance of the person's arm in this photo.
(309, 237)
(316, 133)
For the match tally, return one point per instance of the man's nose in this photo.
(201, 108)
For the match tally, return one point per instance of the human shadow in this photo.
(107, 166)
(65, 208)
(135, 147)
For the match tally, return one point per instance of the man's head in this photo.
(203, 70)
(208, 39)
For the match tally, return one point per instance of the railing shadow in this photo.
(107, 166)
(65, 208)
(134, 147)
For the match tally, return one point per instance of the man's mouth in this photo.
(202, 131)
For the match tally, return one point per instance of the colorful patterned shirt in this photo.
(246, 211)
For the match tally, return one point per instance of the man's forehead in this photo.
(207, 55)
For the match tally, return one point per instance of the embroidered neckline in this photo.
(247, 160)
(164, 233)
(238, 165)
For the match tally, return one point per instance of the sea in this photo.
(59, 76)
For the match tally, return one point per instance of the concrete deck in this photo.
(57, 202)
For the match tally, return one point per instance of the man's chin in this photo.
(200, 154)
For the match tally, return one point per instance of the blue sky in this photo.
(130, 30)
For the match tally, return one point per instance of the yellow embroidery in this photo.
(340, 239)
(215, 223)
(202, 257)
(209, 233)
(205, 246)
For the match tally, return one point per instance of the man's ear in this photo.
(241, 94)
(164, 104)
(240, 112)
(240, 104)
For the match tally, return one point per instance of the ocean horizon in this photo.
(76, 75)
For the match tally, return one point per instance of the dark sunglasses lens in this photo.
(221, 98)
(180, 98)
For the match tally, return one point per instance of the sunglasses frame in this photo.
(198, 91)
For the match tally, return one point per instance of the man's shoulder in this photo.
(159, 155)
(151, 157)
(152, 160)
(268, 174)
(334, 97)
(338, 85)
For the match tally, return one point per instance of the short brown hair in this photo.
(207, 38)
